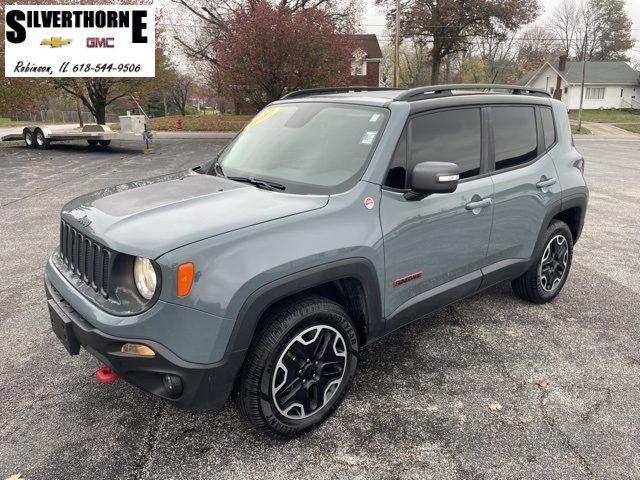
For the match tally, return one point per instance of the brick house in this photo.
(365, 66)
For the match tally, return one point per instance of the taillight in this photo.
(581, 165)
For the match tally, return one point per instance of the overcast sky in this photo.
(374, 20)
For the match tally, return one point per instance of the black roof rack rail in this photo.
(327, 90)
(420, 93)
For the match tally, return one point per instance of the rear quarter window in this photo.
(548, 127)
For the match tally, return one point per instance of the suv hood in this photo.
(151, 217)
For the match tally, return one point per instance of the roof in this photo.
(368, 43)
(613, 73)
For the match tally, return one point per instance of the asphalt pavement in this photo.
(419, 407)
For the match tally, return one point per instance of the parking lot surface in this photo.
(419, 407)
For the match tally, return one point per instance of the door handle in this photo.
(546, 183)
(479, 204)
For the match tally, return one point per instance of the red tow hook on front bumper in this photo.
(106, 375)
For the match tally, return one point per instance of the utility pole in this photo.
(396, 63)
(584, 69)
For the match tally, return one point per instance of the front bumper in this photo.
(203, 386)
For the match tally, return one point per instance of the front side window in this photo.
(450, 136)
(307, 147)
(515, 136)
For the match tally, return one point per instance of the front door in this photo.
(434, 247)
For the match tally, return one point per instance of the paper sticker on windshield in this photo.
(367, 138)
(375, 117)
(262, 116)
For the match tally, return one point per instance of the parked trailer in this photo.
(132, 127)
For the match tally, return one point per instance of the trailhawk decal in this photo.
(407, 278)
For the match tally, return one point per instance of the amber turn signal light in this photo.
(185, 279)
(137, 349)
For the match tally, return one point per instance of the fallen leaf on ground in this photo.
(495, 407)
(16, 476)
(543, 383)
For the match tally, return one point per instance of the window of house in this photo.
(548, 128)
(552, 90)
(594, 93)
(566, 89)
(450, 136)
(515, 137)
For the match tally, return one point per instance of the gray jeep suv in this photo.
(334, 218)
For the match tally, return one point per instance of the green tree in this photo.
(611, 38)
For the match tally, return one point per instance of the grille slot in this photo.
(88, 260)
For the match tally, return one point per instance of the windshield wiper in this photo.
(259, 183)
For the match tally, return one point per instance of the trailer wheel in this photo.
(104, 143)
(29, 139)
(42, 142)
(92, 143)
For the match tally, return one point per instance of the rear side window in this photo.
(450, 136)
(514, 135)
(548, 128)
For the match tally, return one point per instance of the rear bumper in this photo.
(203, 386)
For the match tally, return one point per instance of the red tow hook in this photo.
(106, 375)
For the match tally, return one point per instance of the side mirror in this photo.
(434, 177)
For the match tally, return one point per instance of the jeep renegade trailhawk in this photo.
(334, 218)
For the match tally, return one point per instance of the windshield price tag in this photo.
(80, 40)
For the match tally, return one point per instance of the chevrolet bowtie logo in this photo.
(55, 42)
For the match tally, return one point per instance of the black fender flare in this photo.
(261, 299)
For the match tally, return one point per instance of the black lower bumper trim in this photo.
(203, 386)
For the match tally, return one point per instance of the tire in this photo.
(546, 277)
(267, 396)
(41, 141)
(29, 138)
(104, 143)
(92, 143)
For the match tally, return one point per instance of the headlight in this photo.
(145, 277)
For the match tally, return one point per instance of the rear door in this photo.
(525, 181)
(434, 247)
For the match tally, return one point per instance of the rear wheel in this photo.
(299, 369)
(42, 142)
(104, 143)
(546, 277)
(29, 139)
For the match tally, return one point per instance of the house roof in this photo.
(612, 73)
(368, 43)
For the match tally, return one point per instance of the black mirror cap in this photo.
(434, 177)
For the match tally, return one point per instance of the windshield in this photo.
(307, 147)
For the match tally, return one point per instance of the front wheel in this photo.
(546, 277)
(299, 369)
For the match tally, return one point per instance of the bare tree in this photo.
(200, 25)
(180, 92)
(564, 23)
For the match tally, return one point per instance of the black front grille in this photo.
(86, 258)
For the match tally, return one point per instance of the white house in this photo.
(607, 84)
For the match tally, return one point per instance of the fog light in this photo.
(172, 384)
(137, 349)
